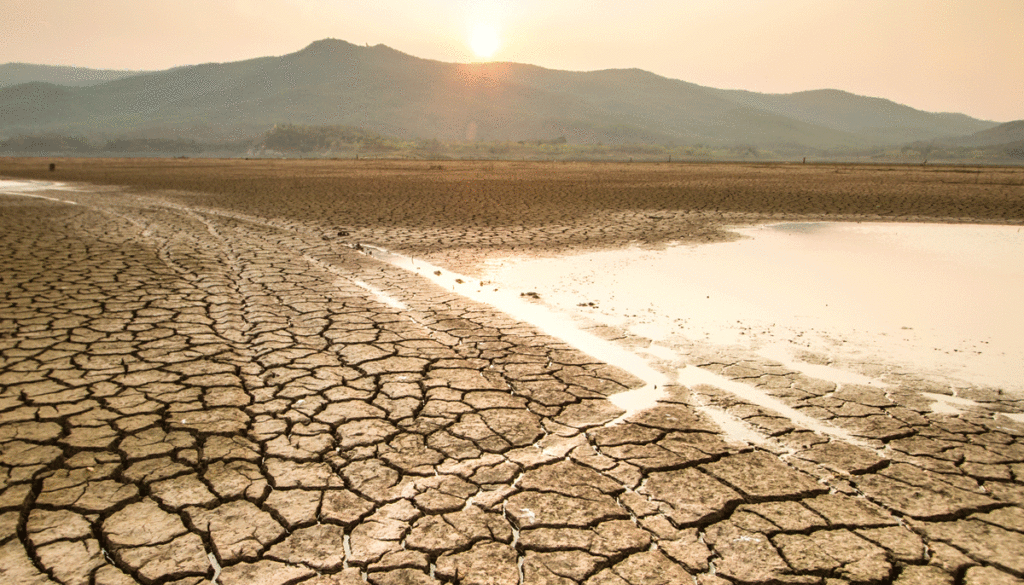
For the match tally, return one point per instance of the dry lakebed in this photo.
(410, 372)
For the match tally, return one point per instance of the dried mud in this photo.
(203, 380)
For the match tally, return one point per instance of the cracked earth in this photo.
(190, 395)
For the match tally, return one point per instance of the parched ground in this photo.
(453, 207)
(202, 380)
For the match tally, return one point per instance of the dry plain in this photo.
(205, 380)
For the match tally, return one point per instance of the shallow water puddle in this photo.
(943, 404)
(933, 299)
(733, 428)
(381, 295)
(694, 376)
(783, 354)
(32, 188)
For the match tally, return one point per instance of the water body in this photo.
(34, 189)
(938, 300)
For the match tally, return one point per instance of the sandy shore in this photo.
(207, 376)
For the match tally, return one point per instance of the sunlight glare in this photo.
(484, 41)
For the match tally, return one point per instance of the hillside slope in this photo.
(333, 82)
(18, 73)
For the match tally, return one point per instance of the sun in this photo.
(484, 41)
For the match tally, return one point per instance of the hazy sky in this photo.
(936, 55)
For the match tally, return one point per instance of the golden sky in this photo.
(935, 55)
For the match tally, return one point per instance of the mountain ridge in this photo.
(381, 89)
(18, 73)
(1005, 133)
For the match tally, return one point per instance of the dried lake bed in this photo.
(216, 373)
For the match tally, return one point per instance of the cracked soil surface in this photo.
(203, 385)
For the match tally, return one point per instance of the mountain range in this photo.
(18, 73)
(379, 89)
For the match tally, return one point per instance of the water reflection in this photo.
(801, 227)
(934, 299)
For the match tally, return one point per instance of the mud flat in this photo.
(209, 375)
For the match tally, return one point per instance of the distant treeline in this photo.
(58, 144)
(1012, 151)
(281, 140)
(290, 140)
(47, 143)
(306, 139)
